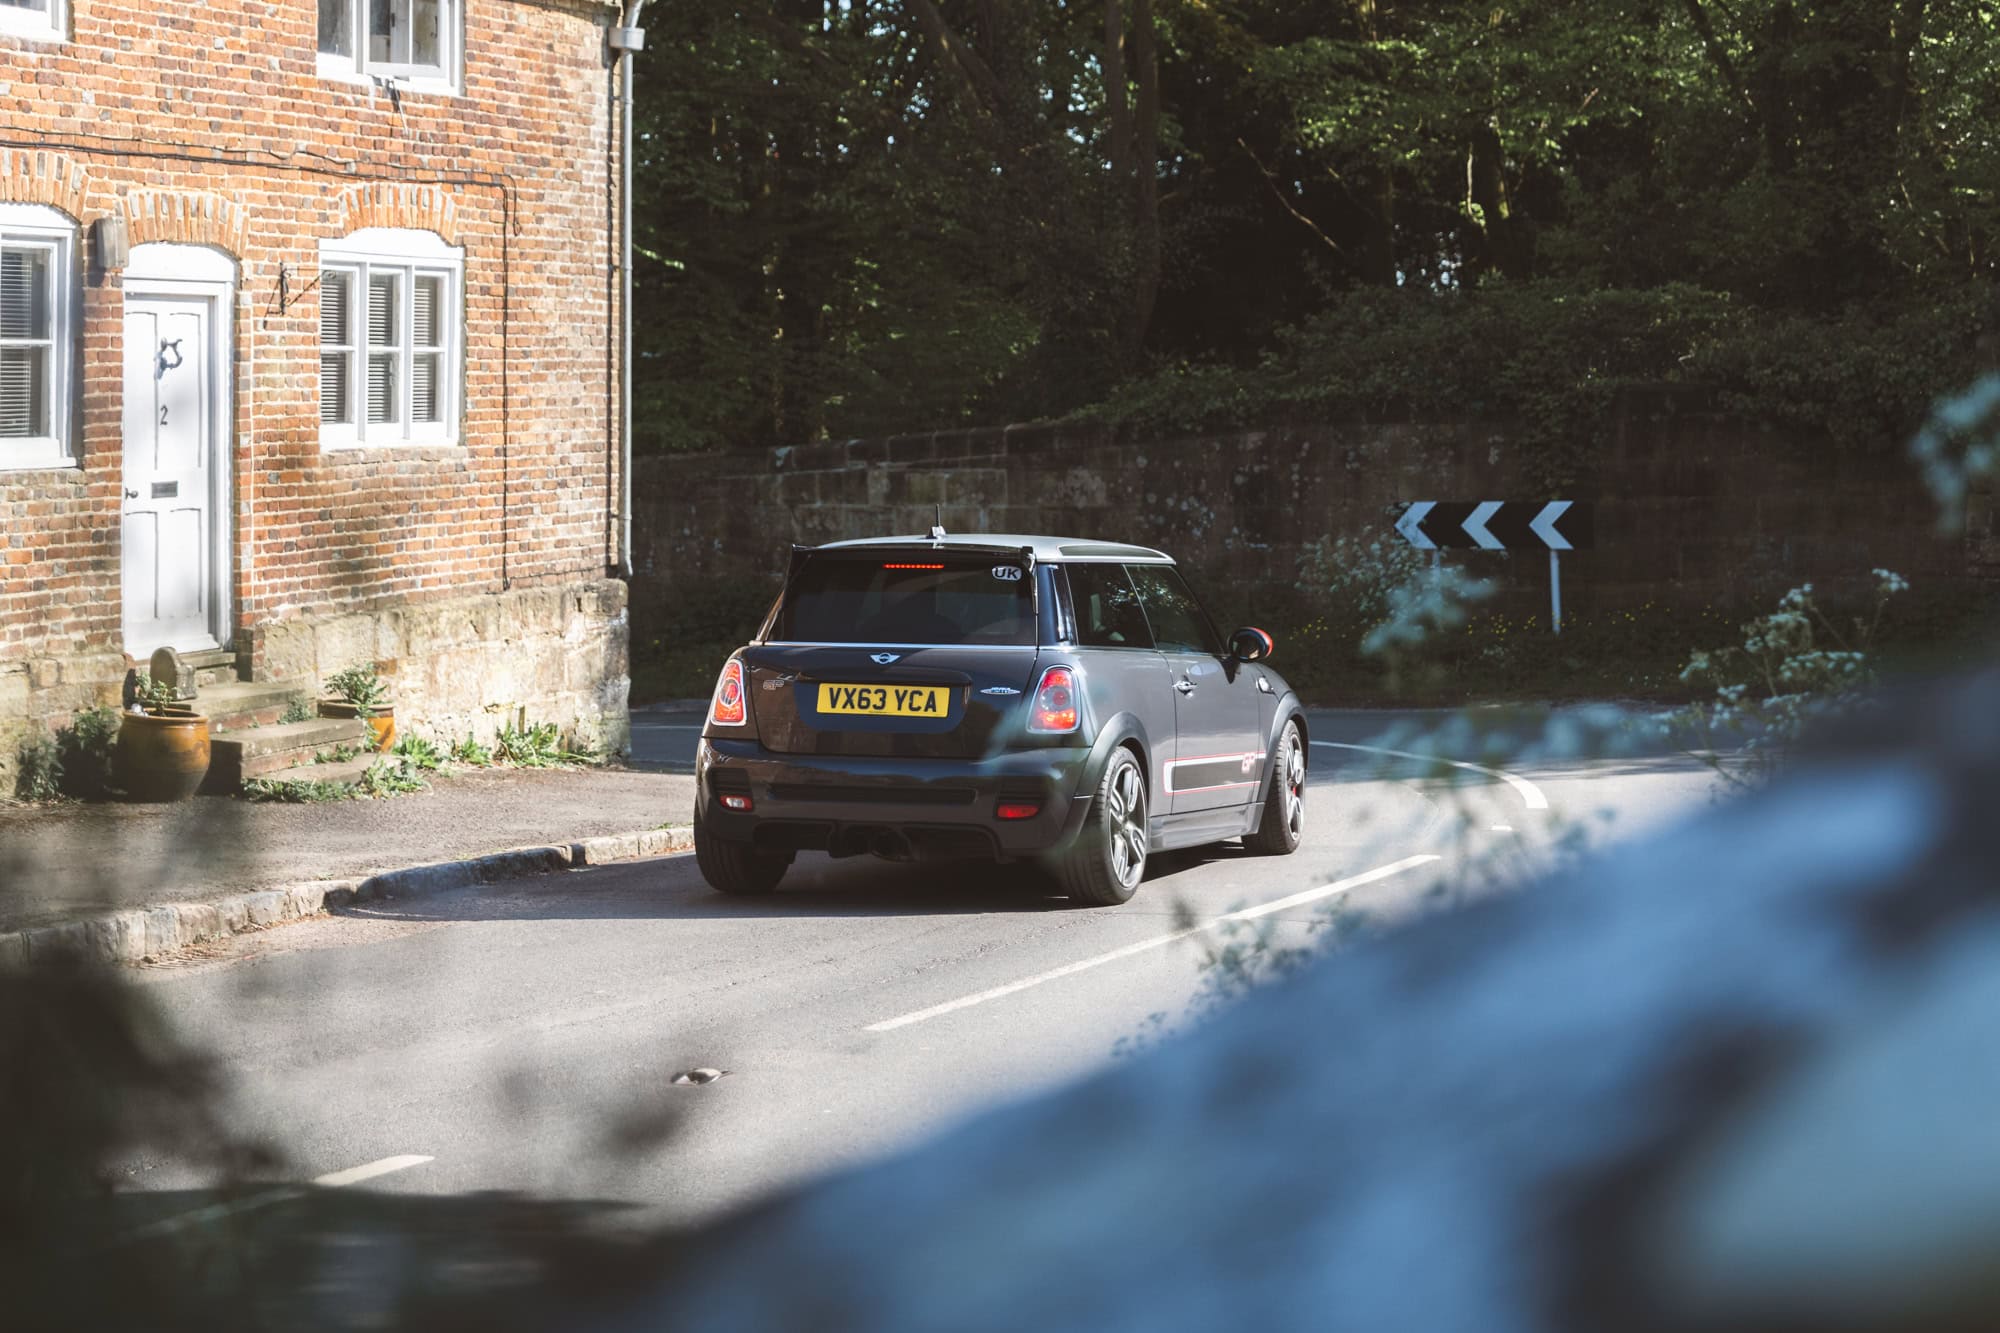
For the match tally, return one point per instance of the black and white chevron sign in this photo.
(1497, 525)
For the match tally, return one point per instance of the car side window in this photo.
(1107, 608)
(1177, 620)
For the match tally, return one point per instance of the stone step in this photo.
(241, 704)
(236, 755)
(211, 666)
(345, 773)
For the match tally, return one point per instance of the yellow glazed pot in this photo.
(160, 758)
(382, 722)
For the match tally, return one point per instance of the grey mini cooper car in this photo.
(1005, 698)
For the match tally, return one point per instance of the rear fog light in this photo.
(1016, 810)
(736, 802)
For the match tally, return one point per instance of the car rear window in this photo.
(910, 599)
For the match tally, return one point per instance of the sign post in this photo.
(1501, 525)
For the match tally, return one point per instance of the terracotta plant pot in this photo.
(382, 721)
(160, 758)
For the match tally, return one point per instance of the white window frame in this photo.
(410, 254)
(38, 227)
(49, 23)
(356, 67)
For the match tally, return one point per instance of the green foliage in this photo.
(362, 686)
(1795, 668)
(298, 710)
(850, 226)
(1553, 359)
(338, 754)
(418, 752)
(527, 744)
(692, 635)
(83, 749)
(295, 791)
(838, 235)
(38, 771)
(472, 751)
(155, 696)
(387, 777)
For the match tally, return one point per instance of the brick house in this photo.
(309, 354)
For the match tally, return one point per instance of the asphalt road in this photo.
(527, 1037)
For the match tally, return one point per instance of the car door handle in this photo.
(1184, 686)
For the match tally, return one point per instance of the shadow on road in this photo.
(672, 888)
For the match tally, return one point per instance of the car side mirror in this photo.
(1251, 645)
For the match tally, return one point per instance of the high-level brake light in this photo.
(913, 566)
(1054, 708)
(728, 710)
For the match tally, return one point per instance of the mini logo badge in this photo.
(883, 659)
(999, 689)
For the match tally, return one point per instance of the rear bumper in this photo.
(941, 808)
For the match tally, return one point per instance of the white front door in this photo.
(173, 452)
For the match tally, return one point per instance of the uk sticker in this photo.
(1007, 573)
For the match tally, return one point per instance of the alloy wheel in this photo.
(1126, 806)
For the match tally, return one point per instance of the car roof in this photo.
(1048, 550)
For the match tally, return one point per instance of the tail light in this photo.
(729, 710)
(1016, 810)
(1054, 709)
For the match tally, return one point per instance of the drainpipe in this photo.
(625, 40)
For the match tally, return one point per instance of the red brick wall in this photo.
(208, 123)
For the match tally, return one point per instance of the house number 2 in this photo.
(163, 416)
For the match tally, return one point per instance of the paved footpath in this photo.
(71, 862)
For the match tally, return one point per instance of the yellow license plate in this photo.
(886, 700)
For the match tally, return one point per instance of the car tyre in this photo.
(737, 867)
(1284, 822)
(1105, 864)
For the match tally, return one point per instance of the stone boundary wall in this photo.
(1692, 509)
(474, 664)
(455, 665)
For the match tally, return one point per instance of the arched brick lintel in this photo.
(424, 207)
(37, 176)
(187, 217)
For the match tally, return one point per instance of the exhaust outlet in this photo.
(892, 846)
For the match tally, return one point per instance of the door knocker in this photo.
(175, 348)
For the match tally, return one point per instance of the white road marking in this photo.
(354, 1175)
(1158, 941)
(215, 1212)
(1531, 795)
(1503, 828)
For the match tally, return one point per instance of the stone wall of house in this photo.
(473, 664)
(1691, 509)
(211, 125)
(455, 666)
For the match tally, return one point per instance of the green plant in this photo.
(155, 696)
(529, 745)
(418, 752)
(387, 778)
(295, 791)
(38, 771)
(472, 751)
(1796, 667)
(83, 749)
(298, 710)
(362, 686)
